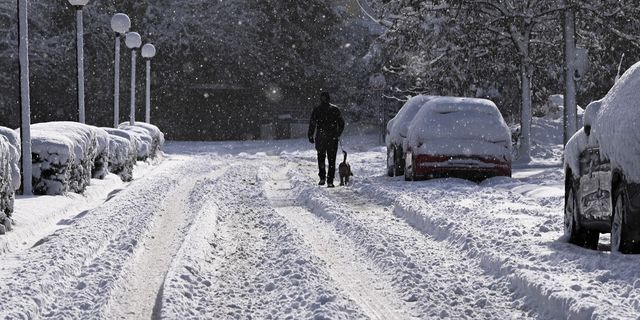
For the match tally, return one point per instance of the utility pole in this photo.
(25, 103)
(570, 104)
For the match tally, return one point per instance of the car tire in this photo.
(620, 239)
(572, 229)
(399, 164)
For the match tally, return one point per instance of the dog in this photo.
(344, 169)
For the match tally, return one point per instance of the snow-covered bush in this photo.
(552, 109)
(64, 155)
(9, 174)
(101, 161)
(52, 157)
(122, 153)
(139, 138)
(6, 188)
(14, 140)
(157, 137)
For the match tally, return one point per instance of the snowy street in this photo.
(241, 230)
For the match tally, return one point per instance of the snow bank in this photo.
(460, 126)
(149, 134)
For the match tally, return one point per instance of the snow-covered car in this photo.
(457, 137)
(396, 133)
(602, 170)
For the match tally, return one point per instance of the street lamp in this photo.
(120, 23)
(78, 4)
(133, 42)
(148, 52)
(25, 105)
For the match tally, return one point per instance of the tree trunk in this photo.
(570, 104)
(524, 153)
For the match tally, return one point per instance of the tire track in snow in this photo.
(77, 267)
(441, 280)
(140, 291)
(353, 273)
(245, 262)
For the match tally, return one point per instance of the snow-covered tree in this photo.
(471, 47)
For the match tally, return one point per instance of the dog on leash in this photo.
(344, 169)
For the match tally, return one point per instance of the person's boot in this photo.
(330, 184)
(321, 183)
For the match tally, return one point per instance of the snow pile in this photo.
(460, 126)
(122, 153)
(398, 126)
(616, 124)
(64, 154)
(149, 134)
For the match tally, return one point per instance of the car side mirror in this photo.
(587, 129)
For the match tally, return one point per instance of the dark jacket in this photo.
(327, 124)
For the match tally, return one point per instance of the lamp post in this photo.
(25, 105)
(133, 42)
(120, 24)
(78, 4)
(148, 52)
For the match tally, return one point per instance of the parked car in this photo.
(602, 170)
(457, 137)
(396, 133)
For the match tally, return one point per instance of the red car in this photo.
(457, 137)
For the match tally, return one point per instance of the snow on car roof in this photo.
(458, 104)
(461, 118)
(617, 124)
(399, 125)
(450, 121)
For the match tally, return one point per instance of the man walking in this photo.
(325, 128)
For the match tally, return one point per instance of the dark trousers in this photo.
(327, 151)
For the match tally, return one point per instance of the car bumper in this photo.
(474, 168)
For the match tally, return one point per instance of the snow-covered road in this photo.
(242, 231)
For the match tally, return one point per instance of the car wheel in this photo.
(399, 164)
(572, 228)
(620, 240)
